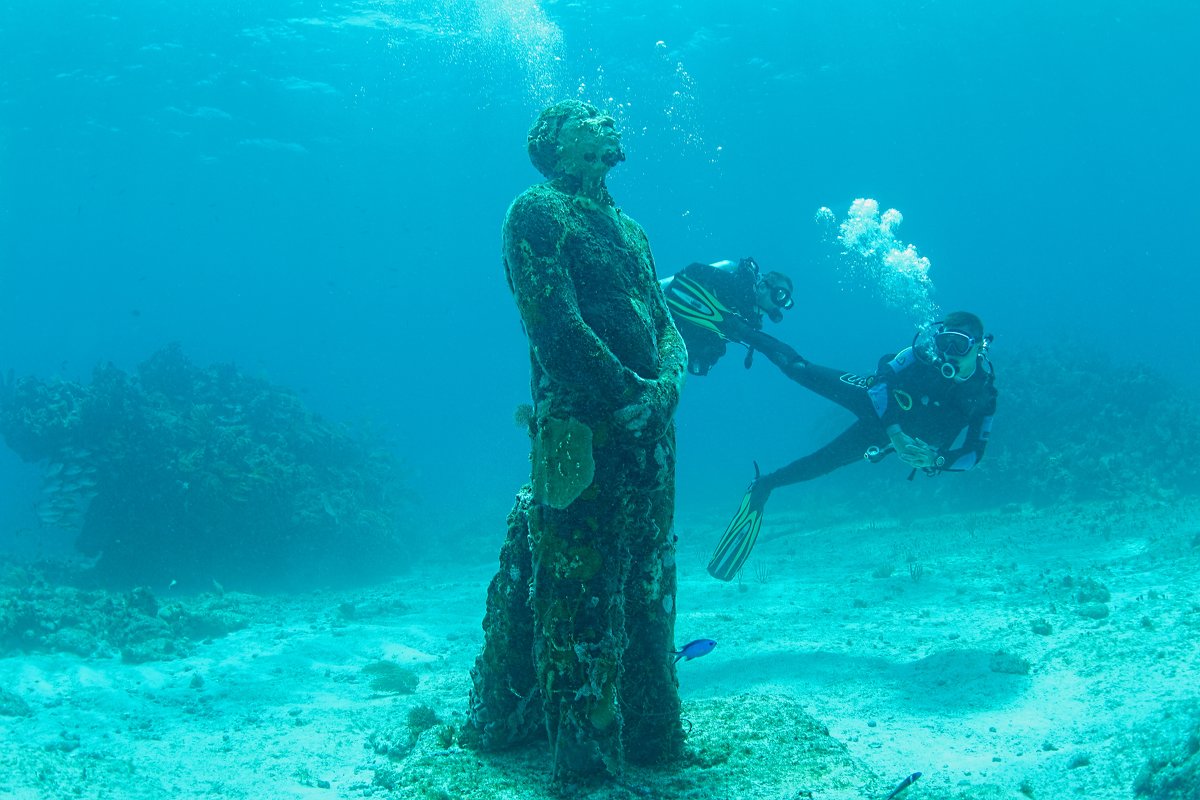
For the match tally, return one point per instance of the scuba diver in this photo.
(702, 297)
(931, 404)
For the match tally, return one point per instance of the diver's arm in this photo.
(563, 343)
(963, 458)
(781, 355)
(911, 450)
(971, 453)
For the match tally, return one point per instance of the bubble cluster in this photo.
(872, 253)
(523, 31)
(666, 96)
(680, 108)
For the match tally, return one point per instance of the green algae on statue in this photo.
(580, 617)
(562, 461)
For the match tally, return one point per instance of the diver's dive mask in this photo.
(773, 298)
(782, 297)
(935, 344)
(953, 343)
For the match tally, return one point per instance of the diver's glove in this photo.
(913, 451)
(781, 355)
(759, 490)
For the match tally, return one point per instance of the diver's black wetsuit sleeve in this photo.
(781, 355)
(847, 448)
(979, 430)
(844, 388)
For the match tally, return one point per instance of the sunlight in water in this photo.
(480, 34)
(521, 29)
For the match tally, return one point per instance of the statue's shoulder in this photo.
(537, 217)
(632, 228)
(629, 222)
(541, 198)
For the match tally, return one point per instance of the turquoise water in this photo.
(314, 192)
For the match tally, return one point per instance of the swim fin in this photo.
(739, 538)
(691, 301)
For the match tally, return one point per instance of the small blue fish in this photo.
(904, 784)
(700, 647)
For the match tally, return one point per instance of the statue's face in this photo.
(589, 147)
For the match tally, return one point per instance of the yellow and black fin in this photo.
(737, 542)
(691, 301)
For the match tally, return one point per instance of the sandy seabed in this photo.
(1024, 653)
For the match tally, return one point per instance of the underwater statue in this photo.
(579, 630)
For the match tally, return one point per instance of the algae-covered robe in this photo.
(580, 619)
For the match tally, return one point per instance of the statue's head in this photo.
(574, 139)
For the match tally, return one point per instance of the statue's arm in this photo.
(672, 352)
(539, 274)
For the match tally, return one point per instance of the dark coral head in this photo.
(543, 135)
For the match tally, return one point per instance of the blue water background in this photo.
(314, 191)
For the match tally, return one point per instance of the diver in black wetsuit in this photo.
(703, 297)
(931, 403)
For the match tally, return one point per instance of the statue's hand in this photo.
(651, 412)
(633, 417)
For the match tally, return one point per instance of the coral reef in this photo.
(12, 705)
(1173, 775)
(396, 742)
(36, 615)
(1074, 425)
(388, 677)
(191, 474)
